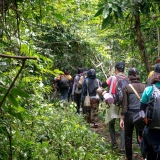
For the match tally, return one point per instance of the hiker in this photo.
(90, 86)
(62, 83)
(70, 98)
(150, 74)
(130, 107)
(76, 90)
(119, 71)
(84, 109)
(150, 141)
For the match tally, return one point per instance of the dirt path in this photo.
(102, 131)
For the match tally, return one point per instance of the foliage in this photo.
(53, 131)
(63, 34)
(125, 14)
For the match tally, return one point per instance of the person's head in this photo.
(133, 74)
(85, 74)
(156, 75)
(66, 72)
(119, 67)
(91, 73)
(79, 70)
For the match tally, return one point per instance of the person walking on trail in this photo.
(90, 85)
(69, 97)
(150, 139)
(150, 74)
(119, 71)
(62, 83)
(76, 90)
(84, 109)
(130, 107)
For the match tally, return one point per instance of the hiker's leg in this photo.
(122, 141)
(112, 131)
(64, 94)
(78, 101)
(88, 114)
(151, 155)
(128, 131)
(94, 108)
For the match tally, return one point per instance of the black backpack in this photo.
(122, 81)
(63, 83)
(153, 109)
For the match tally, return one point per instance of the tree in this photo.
(139, 14)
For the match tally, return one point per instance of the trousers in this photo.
(128, 132)
(93, 109)
(113, 134)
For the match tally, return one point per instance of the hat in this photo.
(133, 72)
(120, 66)
(158, 60)
(157, 68)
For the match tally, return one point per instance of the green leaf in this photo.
(19, 92)
(114, 7)
(110, 5)
(20, 109)
(120, 14)
(58, 71)
(99, 12)
(12, 100)
(13, 112)
(3, 89)
(106, 12)
(105, 22)
(59, 16)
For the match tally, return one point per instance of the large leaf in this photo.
(19, 92)
(13, 112)
(57, 71)
(99, 12)
(12, 100)
(105, 12)
(105, 22)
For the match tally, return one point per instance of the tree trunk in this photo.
(140, 42)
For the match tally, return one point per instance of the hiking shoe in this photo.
(122, 152)
(114, 146)
(95, 126)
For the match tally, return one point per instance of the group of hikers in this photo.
(127, 93)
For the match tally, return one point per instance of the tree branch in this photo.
(17, 57)
(99, 65)
(12, 84)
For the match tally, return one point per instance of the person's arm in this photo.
(104, 84)
(124, 106)
(124, 101)
(143, 106)
(74, 85)
(100, 83)
(84, 88)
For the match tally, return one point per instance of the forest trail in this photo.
(102, 131)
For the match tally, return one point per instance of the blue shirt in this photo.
(148, 92)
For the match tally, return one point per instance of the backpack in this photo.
(122, 81)
(153, 109)
(78, 88)
(80, 81)
(63, 82)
